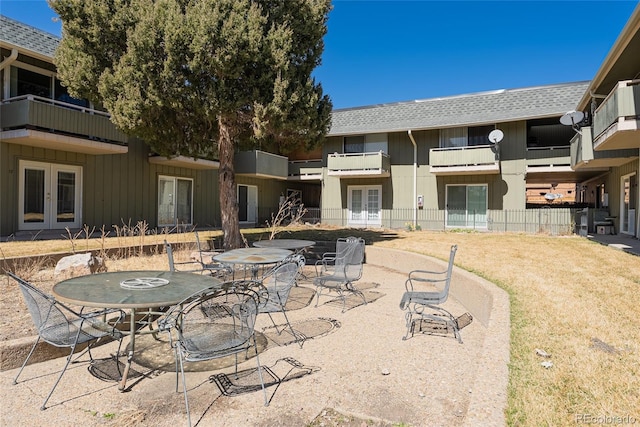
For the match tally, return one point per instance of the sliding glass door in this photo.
(175, 201)
(467, 206)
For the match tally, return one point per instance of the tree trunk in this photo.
(227, 185)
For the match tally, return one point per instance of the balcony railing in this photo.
(548, 159)
(616, 122)
(48, 116)
(377, 164)
(478, 159)
(305, 170)
(583, 155)
(261, 164)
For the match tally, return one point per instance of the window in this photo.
(467, 206)
(465, 137)
(31, 83)
(371, 143)
(354, 144)
(175, 201)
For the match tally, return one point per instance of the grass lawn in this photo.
(575, 299)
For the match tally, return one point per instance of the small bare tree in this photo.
(290, 212)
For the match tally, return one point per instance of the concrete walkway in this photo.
(354, 363)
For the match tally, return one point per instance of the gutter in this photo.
(4, 64)
(415, 178)
(10, 59)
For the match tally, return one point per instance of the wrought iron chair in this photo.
(278, 283)
(195, 265)
(427, 305)
(213, 323)
(339, 269)
(61, 326)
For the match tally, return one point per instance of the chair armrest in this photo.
(328, 258)
(424, 276)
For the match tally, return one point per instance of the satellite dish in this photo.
(496, 136)
(553, 196)
(572, 118)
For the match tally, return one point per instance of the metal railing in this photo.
(545, 220)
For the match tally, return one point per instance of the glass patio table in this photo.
(255, 257)
(131, 290)
(291, 244)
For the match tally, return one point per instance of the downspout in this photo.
(10, 59)
(415, 179)
(5, 63)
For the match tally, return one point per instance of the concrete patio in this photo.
(353, 363)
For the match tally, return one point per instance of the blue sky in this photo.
(388, 51)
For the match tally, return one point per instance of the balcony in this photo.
(548, 160)
(261, 164)
(46, 123)
(583, 156)
(305, 170)
(361, 165)
(616, 122)
(470, 160)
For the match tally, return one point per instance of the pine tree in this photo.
(201, 78)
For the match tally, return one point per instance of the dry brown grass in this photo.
(573, 298)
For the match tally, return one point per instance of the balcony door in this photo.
(628, 203)
(364, 205)
(467, 206)
(49, 196)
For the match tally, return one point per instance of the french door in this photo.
(364, 205)
(175, 201)
(248, 203)
(49, 196)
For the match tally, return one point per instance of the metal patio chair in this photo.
(213, 323)
(196, 265)
(340, 269)
(61, 326)
(278, 283)
(427, 305)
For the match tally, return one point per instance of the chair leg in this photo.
(318, 293)
(264, 391)
(299, 339)
(184, 389)
(409, 320)
(15, 380)
(44, 404)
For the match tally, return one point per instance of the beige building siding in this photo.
(506, 190)
(613, 187)
(117, 189)
(511, 192)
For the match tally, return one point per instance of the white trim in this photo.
(174, 214)
(624, 214)
(473, 226)
(252, 203)
(366, 219)
(50, 195)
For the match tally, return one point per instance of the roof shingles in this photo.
(464, 110)
(27, 37)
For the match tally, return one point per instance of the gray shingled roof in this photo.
(27, 37)
(465, 110)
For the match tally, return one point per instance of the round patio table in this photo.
(132, 290)
(254, 257)
(292, 244)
